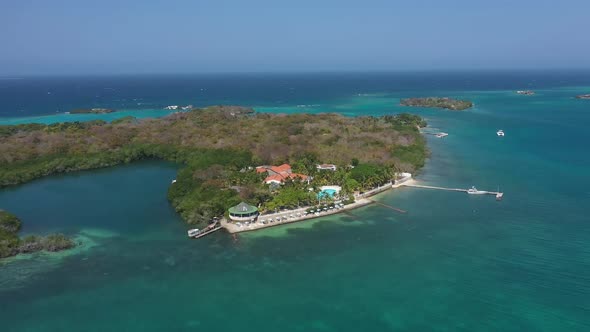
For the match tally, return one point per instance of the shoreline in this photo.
(59, 117)
(291, 215)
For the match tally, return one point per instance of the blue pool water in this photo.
(327, 193)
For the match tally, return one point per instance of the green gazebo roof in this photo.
(243, 208)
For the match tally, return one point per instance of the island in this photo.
(92, 111)
(438, 102)
(585, 96)
(11, 244)
(230, 154)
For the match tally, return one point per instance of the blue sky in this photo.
(142, 36)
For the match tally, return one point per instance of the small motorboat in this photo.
(193, 232)
(500, 133)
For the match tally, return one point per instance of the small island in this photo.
(438, 102)
(230, 154)
(585, 96)
(92, 111)
(11, 244)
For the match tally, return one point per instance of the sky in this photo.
(40, 37)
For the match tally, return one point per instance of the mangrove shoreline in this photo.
(11, 244)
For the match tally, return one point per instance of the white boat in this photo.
(499, 194)
(441, 135)
(500, 133)
(474, 191)
(193, 232)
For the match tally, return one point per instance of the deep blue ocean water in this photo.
(452, 263)
(29, 96)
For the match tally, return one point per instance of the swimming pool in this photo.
(327, 193)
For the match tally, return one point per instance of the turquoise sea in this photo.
(453, 263)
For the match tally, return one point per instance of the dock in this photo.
(498, 194)
(212, 228)
(388, 206)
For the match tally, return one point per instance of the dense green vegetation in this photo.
(405, 121)
(440, 102)
(11, 244)
(9, 226)
(125, 119)
(219, 147)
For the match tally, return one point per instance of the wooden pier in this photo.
(208, 230)
(498, 194)
(388, 206)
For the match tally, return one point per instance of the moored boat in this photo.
(193, 232)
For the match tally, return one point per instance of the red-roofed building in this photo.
(262, 169)
(278, 174)
(283, 169)
(301, 177)
(275, 178)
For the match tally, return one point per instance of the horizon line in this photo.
(292, 72)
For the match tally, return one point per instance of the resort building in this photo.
(278, 174)
(326, 167)
(280, 178)
(243, 212)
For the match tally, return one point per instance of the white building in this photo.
(326, 167)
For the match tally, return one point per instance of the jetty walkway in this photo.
(213, 228)
(498, 194)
